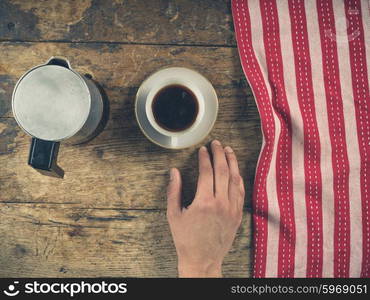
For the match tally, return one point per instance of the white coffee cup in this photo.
(207, 107)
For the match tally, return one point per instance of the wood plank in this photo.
(120, 69)
(121, 168)
(67, 241)
(203, 22)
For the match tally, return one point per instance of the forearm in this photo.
(199, 271)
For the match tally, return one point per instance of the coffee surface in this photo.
(175, 108)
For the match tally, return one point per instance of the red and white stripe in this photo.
(286, 235)
(307, 62)
(251, 67)
(340, 163)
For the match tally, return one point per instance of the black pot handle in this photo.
(43, 157)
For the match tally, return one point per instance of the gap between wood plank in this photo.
(118, 43)
(245, 209)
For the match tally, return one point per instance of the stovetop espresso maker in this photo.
(53, 103)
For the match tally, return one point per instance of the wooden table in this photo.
(107, 216)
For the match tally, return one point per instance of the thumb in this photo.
(174, 193)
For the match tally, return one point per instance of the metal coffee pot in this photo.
(53, 103)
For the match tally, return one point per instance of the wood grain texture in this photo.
(121, 168)
(40, 240)
(203, 22)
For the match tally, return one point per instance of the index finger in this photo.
(221, 170)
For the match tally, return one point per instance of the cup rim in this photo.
(144, 90)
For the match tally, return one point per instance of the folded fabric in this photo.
(307, 62)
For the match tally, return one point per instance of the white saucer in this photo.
(207, 114)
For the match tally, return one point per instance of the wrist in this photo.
(199, 270)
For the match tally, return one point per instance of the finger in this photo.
(236, 186)
(242, 199)
(221, 169)
(205, 179)
(174, 193)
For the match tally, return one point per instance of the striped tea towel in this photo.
(308, 63)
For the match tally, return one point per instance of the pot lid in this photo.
(51, 102)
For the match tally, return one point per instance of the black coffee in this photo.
(175, 108)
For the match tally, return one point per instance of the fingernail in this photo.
(172, 174)
(228, 149)
(217, 142)
(203, 148)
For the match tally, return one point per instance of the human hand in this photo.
(204, 231)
